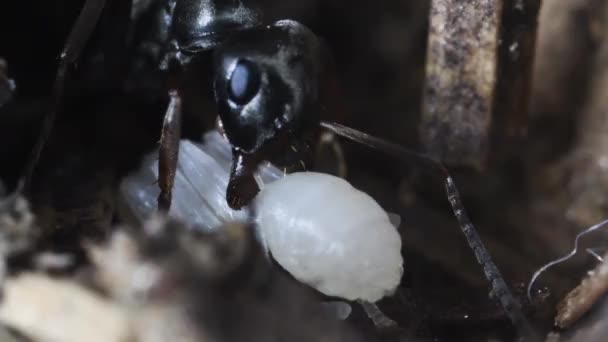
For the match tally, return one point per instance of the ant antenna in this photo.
(565, 257)
(499, 288)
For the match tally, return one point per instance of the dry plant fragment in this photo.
(580, 300)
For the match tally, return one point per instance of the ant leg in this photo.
(380, 320)
(169, 150)
(242, 186)
(499, 288)
(77, 39)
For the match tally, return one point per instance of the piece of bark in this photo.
(592, 327)
(580, 300)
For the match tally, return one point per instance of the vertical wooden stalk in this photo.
(479, 64)
(462, 56)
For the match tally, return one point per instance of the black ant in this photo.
(268, 90)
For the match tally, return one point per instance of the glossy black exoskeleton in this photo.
(267, 91)
(267, 82)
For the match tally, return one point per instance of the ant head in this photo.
(266, 83)
(203, 24)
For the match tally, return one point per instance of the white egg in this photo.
(331, 236)
(318, 227)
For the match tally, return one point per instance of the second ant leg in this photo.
(169, 150)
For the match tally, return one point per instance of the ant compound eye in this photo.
(244, 82)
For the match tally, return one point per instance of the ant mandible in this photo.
(268, 93)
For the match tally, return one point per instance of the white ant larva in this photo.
(318, 227)
(330, 235)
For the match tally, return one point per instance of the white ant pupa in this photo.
(318, 227)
